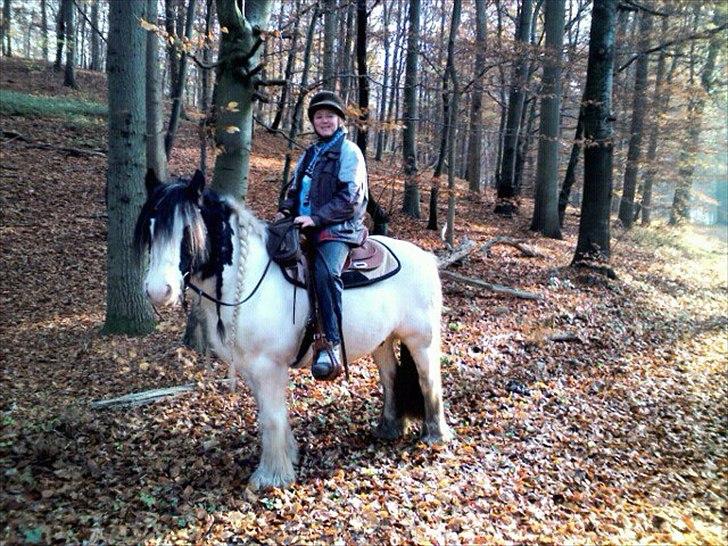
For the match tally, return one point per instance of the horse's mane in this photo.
(208, 227)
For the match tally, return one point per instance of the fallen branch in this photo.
(564, 337)
(465, 248)
(516, 243)
(497, 288)
(146, 397)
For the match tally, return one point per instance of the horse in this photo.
(195, 236)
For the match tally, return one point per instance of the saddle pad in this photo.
(372, 262)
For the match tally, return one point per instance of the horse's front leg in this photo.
(268, 381)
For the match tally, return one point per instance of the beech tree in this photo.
(411, 204)
(156, 158)
(127, 310)
(593, 245)
(69, 74)
(545, 209)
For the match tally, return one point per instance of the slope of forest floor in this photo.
(616, 436)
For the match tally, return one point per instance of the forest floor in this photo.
(618, 436)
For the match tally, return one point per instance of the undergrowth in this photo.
(73, 111)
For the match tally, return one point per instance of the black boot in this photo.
(327, 363)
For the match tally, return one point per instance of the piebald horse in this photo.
(193, 234)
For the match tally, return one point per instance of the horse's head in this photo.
(172, 226)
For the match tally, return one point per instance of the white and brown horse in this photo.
(221, 246)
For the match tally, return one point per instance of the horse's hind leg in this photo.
(389, 427)
(425, 351)
(279, 452)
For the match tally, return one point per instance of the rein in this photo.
(200, 292)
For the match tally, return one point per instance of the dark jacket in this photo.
(338, 195)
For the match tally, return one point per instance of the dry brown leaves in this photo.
(617, 437)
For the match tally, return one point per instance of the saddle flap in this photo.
(366, 257)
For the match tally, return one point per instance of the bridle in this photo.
(202, 294)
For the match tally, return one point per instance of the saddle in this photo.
(367, 264)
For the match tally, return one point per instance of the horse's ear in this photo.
(151, 181)
(197, 184)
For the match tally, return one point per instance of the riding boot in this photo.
(327, 363)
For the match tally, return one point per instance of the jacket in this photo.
(338, 195)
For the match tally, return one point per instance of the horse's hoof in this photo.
(441, 436)
(262, 479)
(388, 430)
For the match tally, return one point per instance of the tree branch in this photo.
(697, 36)
(89, 22)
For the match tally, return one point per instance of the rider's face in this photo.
(325, 122)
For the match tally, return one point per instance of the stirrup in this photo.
(327, 363)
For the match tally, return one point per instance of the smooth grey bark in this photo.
(6, 31)
(60, 35)
(386, 17)
(593, 245)
(170, 10)
(506, 189)
(452, 133)
(69, 74)
(205, 81)
(345, 64)
(411, 203)
(95, 46)
(680, 209)
(236, 82)
(44, 28)
(475, 141)
(330, 16)
(178, 91)
(639, 104)
(156, 158)
(127, 310)
(546, 207)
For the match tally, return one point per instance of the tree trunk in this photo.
(179, 90)
(170, 7)
(680, 210)
(660, 102)
(330, 15)
(5, 31)
(626, 204)
(69, 76)
(44, 29)
(95, 49)
(127, 310)
(593, 246)
(156, 158)
(411, 204)
(475, 142)
(362, 133)
(60, 35)
(387, 9)
(344, 72)
(545, 210)
(506, 204)
(235, 84)
(570, 176)
(452, 133)
(205, 91)
(288, 75)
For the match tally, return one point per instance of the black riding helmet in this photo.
(326, 99)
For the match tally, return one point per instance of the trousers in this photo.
(328, 265)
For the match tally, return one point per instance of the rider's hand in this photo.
(279, 216)
(304, 221)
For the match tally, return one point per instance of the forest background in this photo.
(633, 344)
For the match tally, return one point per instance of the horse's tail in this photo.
(408, 397)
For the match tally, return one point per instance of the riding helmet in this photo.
(326, 99)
